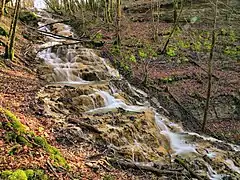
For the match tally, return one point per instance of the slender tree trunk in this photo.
(175, 7)
(210, 68)
(2, 9)
(118, 22)
(173, 29)
(111, 8)
(106, 11)
(9, 51)
(153, 21)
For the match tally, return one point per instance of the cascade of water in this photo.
(63, 61)
(112, 104)
(176, 140)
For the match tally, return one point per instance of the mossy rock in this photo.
(18, 134)
(19, 174)
(54, 152)
(28, 17)
(14, 121)
(3, 32)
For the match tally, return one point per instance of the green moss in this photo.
(15, 122)
(5, 174)
(11, 137)
(40, 141)
(19, 134)
(39, 174)
(23, 141)
(28, 174)
(28, 17)
(18, 175)
(3, 32)
(54, 152)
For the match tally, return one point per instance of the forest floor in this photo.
(21, 122)
(178, 79)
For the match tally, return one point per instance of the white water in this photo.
(112, 104)
(177, 142)
(39, 4)
(65, 72)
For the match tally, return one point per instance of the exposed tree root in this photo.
(183, 164)
(134, 165)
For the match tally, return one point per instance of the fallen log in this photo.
(56, 22)
(134, 165)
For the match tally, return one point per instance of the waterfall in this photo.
(65, 70)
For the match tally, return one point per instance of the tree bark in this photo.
(210, 68)
(173, 30)
(118, 22)
(9, 51)
(2, 9)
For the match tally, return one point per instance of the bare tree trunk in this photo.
(9, 51)
(210, 68)
(2, 9)
(173, 29)
(175, 7)
(118, 22)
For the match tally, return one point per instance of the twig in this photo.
(52, 169)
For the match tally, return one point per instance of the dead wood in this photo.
(56, 22)
(134, 165)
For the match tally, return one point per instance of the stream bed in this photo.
(80, 83)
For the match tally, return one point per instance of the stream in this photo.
(76, 66)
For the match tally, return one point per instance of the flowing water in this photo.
(66, 69)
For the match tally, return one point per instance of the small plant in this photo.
(115, 50)
(98, 37)
(197, 46)
(3, 32)
(142, 54)
(184, 45)
(232, 36)
(207, 44)
(132, 59)
(171, 51)
(232, 51)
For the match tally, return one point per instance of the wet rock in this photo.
(83, 103)
(90, 76)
